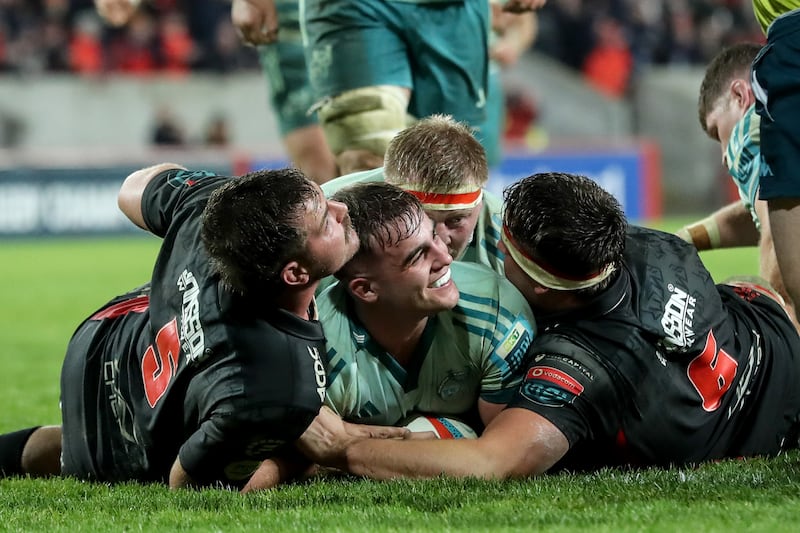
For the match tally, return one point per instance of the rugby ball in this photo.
(441, 426)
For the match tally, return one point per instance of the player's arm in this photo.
(489, 410)
(728, 227)
(276, 470)
(516, 32)
(178, 477)
(255, 20)
(518, 443)
(130, 194)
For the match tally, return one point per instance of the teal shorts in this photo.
(284, 66)
(439, 50)
(490, 133)
(776, 84)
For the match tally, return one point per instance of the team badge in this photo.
(453, 383)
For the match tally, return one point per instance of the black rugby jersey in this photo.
(188, 368)
(665, 367)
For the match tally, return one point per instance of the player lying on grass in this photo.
(217, 362)
(408, 330)
(640, 358)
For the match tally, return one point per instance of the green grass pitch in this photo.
(47, 287)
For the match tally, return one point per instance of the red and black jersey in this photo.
(665, 367)
(183, 367)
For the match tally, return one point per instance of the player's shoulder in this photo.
(332, 302)
(480, 285)
(336, 184)
(492, 202)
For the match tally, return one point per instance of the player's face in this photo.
(517, 276)
(331, 240)
(414, 275)
(456, 228)
(721, 120)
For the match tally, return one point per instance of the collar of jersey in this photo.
(406, 377)
(601, 305)
(281, 319)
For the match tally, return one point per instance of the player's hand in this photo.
(116, 12)
(520, 6)
(326, 440)
(256, 21)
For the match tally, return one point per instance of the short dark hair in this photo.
(253, 225)
(437, 154)
(382, 215)
(732, 62)
(568, 221)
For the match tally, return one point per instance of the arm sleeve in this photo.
(572, 390)
(173, 190)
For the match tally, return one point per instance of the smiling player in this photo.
(410, 330)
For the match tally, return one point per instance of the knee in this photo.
(42, 453)
(363, 121)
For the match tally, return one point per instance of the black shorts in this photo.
(774, 422)
(84, 453)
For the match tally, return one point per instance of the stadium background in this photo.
(82, 104)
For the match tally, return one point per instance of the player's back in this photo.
(683, 370)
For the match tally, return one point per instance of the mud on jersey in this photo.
(665, 367)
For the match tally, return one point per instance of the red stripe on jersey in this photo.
(134, 305)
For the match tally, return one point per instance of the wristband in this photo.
(703, 234)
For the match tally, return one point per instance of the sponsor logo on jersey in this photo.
(515, 344)
(186, 178)
(550, 387)
(319, 372)
(120, 408)
(453, 383)
(241, 470)
(678, 319)
(261, 447)
(750, 370)
(563, 359)
(193, 340)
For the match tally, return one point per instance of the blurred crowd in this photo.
(165, 36)
(606, 40)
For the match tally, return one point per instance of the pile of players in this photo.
(288, 325)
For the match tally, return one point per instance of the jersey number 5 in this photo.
(160, 363)
(712, 373)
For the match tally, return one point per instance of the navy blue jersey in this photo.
(665, 367)
(184, 367)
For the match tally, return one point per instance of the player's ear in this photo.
(294, 274)
(362, 289)
(742, 93)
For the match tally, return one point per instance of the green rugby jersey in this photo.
(484, 246)
(767, 11)
(476, 349)
(744, 159)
